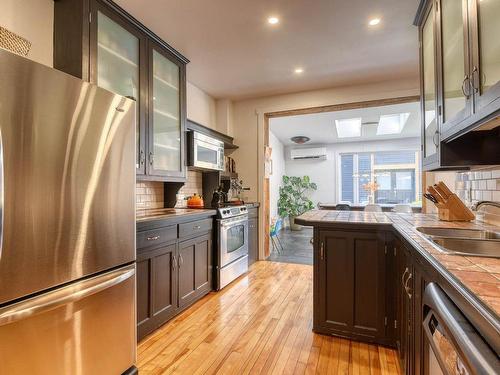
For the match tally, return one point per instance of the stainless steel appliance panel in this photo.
(87, 327)
(68, 159)
(232, 271)
(206, 153)
(453, 345)
(233, 239)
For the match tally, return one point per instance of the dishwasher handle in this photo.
(443, 316)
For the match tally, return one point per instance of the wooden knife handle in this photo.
(445, 188)
(435, 193)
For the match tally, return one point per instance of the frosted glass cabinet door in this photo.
(117, 67)
(165, 150)
(456, 84)
(431, 134)
(486, 71)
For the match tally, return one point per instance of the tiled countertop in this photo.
(171, 213)
(480, 275)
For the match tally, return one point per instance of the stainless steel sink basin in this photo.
(470, 247)
(459, 233)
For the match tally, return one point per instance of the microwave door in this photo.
(206, 155)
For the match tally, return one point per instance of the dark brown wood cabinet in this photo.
(253, 235)
(350, 284)
(194, 269)
(173, 271)
(98, 41)
(460, 88)
(157, 276)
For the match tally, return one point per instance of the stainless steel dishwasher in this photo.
(452, 344)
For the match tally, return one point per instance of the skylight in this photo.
(348, 128)
(392, 124)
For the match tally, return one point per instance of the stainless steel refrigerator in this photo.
(67, 188)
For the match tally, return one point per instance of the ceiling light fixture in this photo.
(298, 70)
(273, 20)
(374, 22)
(300, 139)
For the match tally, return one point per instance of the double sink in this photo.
(470, 242)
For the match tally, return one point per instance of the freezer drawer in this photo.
(87, 327)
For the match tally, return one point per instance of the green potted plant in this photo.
(293, 200)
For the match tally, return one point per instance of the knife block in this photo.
(453, 209)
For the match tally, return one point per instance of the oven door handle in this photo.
(233, 223)
(473, 352)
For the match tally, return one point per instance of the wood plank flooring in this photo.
(261, 324)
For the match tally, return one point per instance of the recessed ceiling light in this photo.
(299, 70)
(273, 20)
(374, 21)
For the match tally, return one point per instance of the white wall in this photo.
(33, 20)
(275, 180)
(201, 107)
(325, 172)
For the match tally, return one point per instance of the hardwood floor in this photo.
(261, 324)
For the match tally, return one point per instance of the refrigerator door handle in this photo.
(63, 296)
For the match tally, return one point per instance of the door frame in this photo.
(263, 142)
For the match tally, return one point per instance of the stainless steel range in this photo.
(232, 244)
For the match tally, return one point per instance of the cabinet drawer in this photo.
(195, 227)
(156, 236)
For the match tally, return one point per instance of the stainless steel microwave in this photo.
(205, 152)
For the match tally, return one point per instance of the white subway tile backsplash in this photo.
(478, 186)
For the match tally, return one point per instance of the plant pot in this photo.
(294, 226)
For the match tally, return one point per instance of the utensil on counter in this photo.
(435, 194)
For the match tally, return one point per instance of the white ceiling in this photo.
(235, 53)
(320, 127)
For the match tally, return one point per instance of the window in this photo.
(388, 177)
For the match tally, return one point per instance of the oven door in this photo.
(208, 155)
(452, 345)
(233, 239)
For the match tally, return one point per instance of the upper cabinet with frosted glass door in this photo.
(460, 82)
(467, 58)
(98, 41)
(167, 114)
(117, 64)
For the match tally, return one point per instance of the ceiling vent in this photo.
(318, 153)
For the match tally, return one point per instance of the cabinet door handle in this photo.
(154, 238)
(466, 80)
(197, 227)
(174, 262)
(407, 288)
(151, 158)
(435, 138)
(181, 260)
(403, 277)
(475, 79)
(322, 251)
(142, 157)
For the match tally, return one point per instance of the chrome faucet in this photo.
(485, 203)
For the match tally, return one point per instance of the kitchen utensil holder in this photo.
(453, 209)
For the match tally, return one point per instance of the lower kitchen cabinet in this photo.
(171, 276)
(156, 287)
(253, 235)
(350, 285)
(195, 259)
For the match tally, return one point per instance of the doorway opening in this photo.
(354, 154)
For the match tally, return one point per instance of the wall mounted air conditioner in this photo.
(318, 153)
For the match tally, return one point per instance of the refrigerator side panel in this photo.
(68, 178)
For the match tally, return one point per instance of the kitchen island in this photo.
(371, 271)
